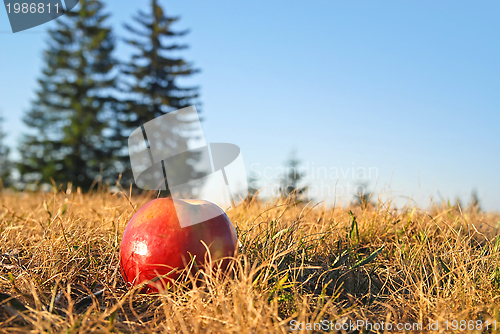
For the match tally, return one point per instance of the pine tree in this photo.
(151, 80)
(362, 197)
(253, 190)
(475, 202)
(290, 182)
(71, 120)
(5, 163)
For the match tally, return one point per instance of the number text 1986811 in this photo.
(31, 8)
(470, 325)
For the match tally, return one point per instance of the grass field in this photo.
(298, 264)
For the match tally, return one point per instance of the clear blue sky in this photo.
(411, 88)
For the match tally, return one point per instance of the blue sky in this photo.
(410, 88)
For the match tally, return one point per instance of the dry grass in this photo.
(297, 262)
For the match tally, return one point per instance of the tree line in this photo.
(88, 102)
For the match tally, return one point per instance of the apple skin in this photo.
(154, 243)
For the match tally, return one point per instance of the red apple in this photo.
(154, 242)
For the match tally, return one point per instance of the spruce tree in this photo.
(71, 120)
(253, 190)
(5, 162)
(151, 81)
(362, 197)
(292, 178)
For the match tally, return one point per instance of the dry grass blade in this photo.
(298, 263)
